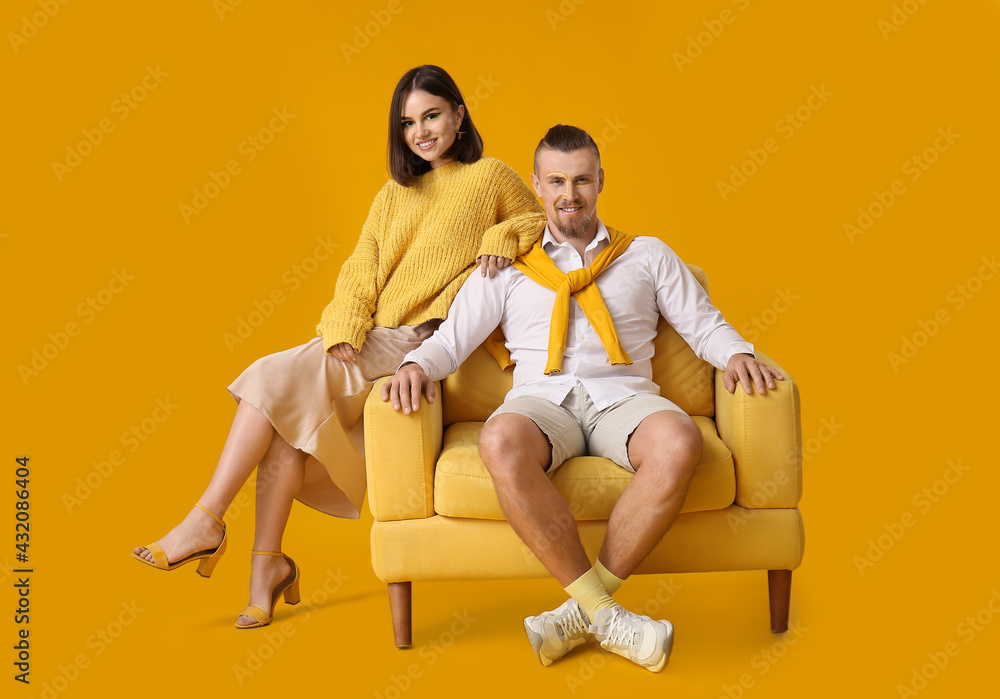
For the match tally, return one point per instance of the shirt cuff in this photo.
(430, 357)
(738, 348)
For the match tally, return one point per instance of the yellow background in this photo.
(669, 134)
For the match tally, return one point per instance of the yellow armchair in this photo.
(437, 516)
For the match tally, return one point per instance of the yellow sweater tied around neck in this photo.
(538, 266)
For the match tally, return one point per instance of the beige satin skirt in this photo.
(316, 403)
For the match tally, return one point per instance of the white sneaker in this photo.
(554, 634)
(642, 640)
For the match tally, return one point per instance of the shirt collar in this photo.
(602, 234)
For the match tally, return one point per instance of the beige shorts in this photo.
(577, 428)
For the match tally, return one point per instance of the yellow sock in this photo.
(611, 581)
(590, 592)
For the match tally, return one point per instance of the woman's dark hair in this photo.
(405, 166)
(566, 139)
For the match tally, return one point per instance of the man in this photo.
(582, 385)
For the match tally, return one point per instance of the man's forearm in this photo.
(723, 344)
(479, 305)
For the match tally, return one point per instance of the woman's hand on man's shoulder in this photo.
(489, 264)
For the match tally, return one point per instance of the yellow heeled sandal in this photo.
(209, 558)
(289, 587)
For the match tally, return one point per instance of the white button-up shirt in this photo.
(644, 282)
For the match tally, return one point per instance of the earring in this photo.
(459, 134)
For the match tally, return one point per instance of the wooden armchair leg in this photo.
(779, 590)
(400, 599)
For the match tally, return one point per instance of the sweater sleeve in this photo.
(520, 219)
(349, 317)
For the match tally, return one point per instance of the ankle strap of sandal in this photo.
(211, 514)
(266, 553)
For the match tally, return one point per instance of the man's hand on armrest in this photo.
(744, 367)
(405, 387)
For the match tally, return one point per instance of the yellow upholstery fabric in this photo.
(683, 379)
(473, 392)
(765, 436)
(446, 548)
(592, 486)
(407, 449)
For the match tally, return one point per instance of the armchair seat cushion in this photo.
(591, 485)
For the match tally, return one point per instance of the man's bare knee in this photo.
(497, 433)
(511, 441)
(687, 441)
(669, 440)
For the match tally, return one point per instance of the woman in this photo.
(445, 206)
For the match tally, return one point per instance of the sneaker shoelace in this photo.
(571, 622)
(621, 631)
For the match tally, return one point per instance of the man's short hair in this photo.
(566, 139)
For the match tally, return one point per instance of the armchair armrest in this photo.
(764, 433)
(400, 454)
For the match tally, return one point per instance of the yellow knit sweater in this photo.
(420, 243)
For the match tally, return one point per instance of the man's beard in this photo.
(575, 227)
